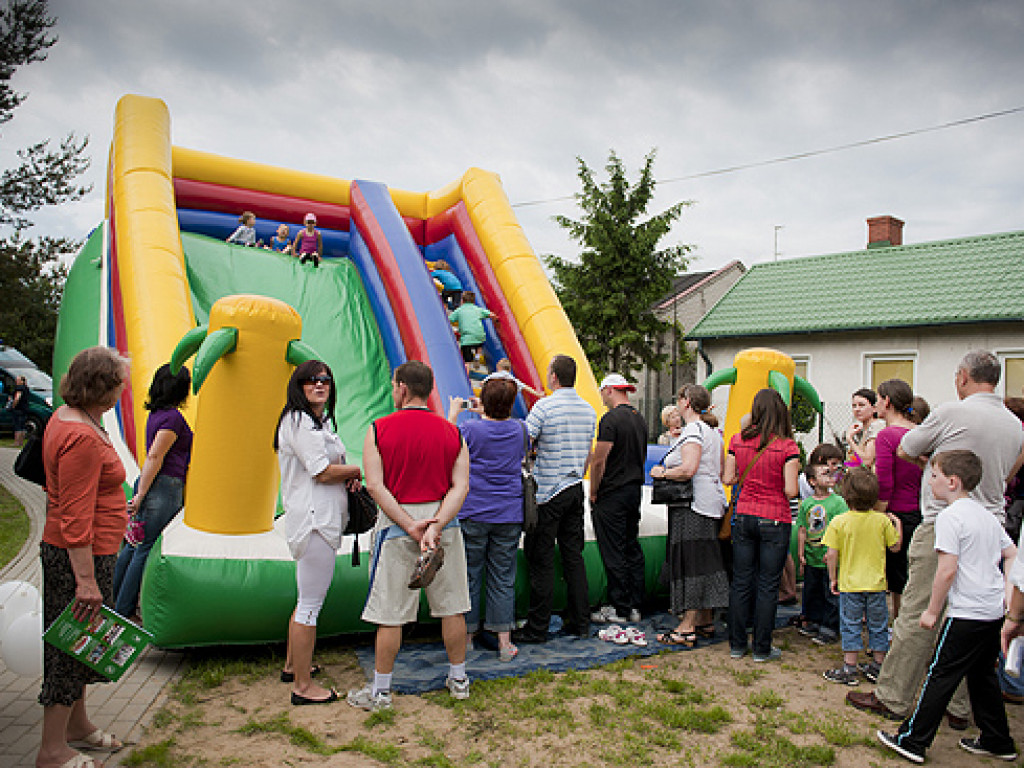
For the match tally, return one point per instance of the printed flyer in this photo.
(109, 643)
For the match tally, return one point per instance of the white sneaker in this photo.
(607, 615)
(459, 689)
(634, 616)
(364, 698)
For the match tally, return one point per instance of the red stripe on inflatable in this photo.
(391, 277)
(120, 337)
(206, 196)
(438, 228)
(494, 299)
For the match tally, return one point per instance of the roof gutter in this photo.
(865, 328)
(708, 365)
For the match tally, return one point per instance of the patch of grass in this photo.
(765, 699)
(154, 756)
(162, 719)
(297, 735)
(686, 692)
(690, 717)
(14, 527)
(763, 747)
(211, 671)
(383, 752)
(380, 717)
(747, 677)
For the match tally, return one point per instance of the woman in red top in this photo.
(767, 460)
(86, 517)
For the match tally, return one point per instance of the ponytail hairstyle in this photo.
(919, 410)
(296, 398)
(700, 400)
(769, 417)
(900, 395)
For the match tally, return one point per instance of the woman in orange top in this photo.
(85, 521)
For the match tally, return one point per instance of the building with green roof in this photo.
(851, 320)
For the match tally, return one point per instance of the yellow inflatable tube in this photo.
(150, 263)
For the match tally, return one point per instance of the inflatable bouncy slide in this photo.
(157, 276)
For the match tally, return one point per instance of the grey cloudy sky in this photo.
(412, 93)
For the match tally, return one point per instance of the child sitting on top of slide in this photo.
(246, 232)
(309, 245)
(281, 241)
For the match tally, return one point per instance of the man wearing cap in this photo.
(562, 428)
(616, 477)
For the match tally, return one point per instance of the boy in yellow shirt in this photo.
(857, 541)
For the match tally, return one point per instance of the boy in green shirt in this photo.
(820, 606)
(468, 318)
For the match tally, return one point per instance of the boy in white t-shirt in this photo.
(974, 553)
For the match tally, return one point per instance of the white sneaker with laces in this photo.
(634, 615)
(458, 688)
(607, 615)
(364, 698)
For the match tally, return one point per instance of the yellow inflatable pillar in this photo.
(753, 367)
(232, 482)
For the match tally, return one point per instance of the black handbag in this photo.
(529, 487)
(667, 491)
(29, 462)
(362, 516)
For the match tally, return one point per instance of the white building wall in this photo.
(837, 363)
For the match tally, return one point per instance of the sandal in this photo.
(98, 740)
(80, 761)
(635, 636)
(426, 567)
(614, 634)
(507, 653)
(675, 637)
(705, 630)
(289, 677)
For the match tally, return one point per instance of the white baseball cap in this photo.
(616, 381)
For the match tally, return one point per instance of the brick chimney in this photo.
(884, 231)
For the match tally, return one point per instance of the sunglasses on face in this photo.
(321, 379)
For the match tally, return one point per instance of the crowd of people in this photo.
(915, 509)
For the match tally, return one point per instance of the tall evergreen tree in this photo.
(31, 273)
(608, 295)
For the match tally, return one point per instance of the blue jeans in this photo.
(759, 549)
(853, 608)
(493, 546)
(164, 500)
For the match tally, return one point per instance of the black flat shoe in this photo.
(289, 677)
(300, 701)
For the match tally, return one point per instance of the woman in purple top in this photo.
(492, 514)
(161, 489)
(899, 481)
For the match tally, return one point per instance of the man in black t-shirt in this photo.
(19, 410)
(616, 477)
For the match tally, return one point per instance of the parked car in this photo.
(12, 365)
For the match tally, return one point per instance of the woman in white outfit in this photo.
(313, 477)
(697, 580)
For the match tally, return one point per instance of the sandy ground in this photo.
(630, 713)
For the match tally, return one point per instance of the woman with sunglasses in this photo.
(313, 478)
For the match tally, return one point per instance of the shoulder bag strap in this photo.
(750, 466)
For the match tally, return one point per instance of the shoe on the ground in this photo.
(737, 653)
(634, 616)
(1012, 698)
(808, 629)
(868, 702)
(870, 670)
(577, 630)
(526, 636)
(364, 698)
(825, 636)
(890, 741)
(974, 747)
(773, 655)
(458, 688)
(957, 723)
(607, 614)
(843, 675)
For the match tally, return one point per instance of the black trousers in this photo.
(820, 605)
(559, 520)
(966, 648)
(616, 517)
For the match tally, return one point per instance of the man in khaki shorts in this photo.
(417, 470)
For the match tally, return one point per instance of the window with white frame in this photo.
(879, 367)
(803, 365)
(1011, 383)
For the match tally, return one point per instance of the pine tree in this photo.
(622, 272)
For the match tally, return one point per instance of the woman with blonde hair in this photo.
(697, 580)
(86, 516)
(672, 420)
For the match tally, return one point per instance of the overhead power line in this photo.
(805, 155)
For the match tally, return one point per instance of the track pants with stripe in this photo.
(965, 648)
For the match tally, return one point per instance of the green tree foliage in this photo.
(45, 175)
(33, 280)
(622, 272)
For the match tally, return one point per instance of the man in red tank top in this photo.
(417, 470)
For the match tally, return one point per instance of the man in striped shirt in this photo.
(562, 428)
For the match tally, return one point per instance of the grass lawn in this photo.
(13, 526)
